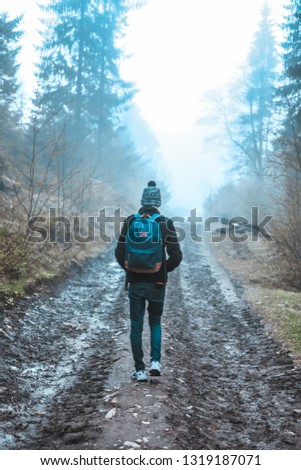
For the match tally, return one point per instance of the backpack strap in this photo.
(132, 217)
(155, 216)
(146, 216)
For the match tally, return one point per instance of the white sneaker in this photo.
(155, 368)
(140, 375)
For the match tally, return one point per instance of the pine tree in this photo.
(79, 69)
(288, 144)
(9, 49)
(290, 91)
(287, 148)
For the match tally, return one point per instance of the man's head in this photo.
(151, 195)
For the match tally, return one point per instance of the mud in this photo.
(226, 384)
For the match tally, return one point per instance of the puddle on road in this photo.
(50, 342)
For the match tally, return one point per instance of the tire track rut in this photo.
(241, 388)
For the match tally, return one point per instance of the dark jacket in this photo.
(170, 245)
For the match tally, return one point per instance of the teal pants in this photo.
(140, 295)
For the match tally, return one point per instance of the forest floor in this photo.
(227, 381)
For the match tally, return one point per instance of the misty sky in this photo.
(179, 49)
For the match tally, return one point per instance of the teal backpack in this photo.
(143, 244)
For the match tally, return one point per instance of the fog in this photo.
(98, 99)
(179, 52)
(174, 53)
(115, 94)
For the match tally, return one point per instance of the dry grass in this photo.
(47, 260)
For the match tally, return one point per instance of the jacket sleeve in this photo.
(120, 247)
(172, 247)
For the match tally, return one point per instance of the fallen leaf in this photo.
(111, 413)
(131, 444)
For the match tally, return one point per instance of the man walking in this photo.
(147, 285)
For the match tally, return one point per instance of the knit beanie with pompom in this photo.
(151, 195)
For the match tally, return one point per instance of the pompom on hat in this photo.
(151, 195)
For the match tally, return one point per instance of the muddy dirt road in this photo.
(66, 360)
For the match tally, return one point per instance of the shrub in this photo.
(13, 254)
